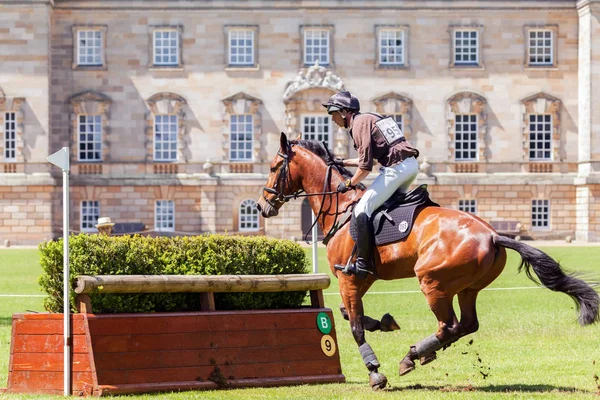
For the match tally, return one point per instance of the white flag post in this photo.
(61, 160)
(315, 238)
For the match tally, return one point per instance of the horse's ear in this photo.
(283, 144)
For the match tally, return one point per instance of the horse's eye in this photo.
(273, 169)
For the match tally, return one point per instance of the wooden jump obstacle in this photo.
(149, 352)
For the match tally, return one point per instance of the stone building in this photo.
(172, 110)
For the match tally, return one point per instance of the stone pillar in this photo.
(208, 209)
(582, 212)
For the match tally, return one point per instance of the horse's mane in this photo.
(320, 150)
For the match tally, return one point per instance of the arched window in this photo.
(399, 107)
(166, 128)
(248, 216)
(541, 131)
(90, 116)
(242, 133)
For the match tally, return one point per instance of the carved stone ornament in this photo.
(314, 76)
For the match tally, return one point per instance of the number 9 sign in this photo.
(328, 345)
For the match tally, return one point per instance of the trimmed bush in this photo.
(198, 255)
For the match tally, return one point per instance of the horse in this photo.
(452, 253)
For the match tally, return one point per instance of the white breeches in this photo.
(390, 179)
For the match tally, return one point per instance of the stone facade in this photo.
(98, 77)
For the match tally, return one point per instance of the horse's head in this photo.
(282, 181)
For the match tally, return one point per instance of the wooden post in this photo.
(316, 299)
(84, 303)
(207, 301)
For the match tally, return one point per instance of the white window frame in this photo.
(455, 47)
(536, 45)
(539, 218)
(400, 123)
(164, 213)
(238, 127)
(172, 146)
(251, 219)
(234, 34)
(93, 121)
(402, 48)
(318, 122)
(172, 49)
(89, 214)
(546, 140)
(309, 34)
(468, 205)
(462, 141)
(96, 48)
(10, 136)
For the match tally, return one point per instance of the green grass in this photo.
(529, 343)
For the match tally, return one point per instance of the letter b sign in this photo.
(323, 323)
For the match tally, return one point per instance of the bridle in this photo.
(283, 180)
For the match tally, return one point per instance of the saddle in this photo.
(393, 221)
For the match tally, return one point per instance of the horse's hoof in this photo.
(406, 365)
(377, 380)
(427, 359)
(388, 323)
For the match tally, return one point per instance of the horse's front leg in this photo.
(352, 298)
(387, 324)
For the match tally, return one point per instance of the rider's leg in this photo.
(387, 182)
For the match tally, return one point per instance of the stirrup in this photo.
(351, 269)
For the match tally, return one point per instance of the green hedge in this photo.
(198, 255)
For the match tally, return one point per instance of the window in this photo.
(391, 47)
(540, 47)
(399, 120)
(165, 137)
(540, 214)
(468, 205)
(164, 216)
(248, 216)
(241, 47)
(316, 46)
(90, 212)
(317, 127)
(10, 136)
(241, 143)
(466, 47)
(166, 47)
(465, 137)
(540, 137)
(89, 47)
(90, 137)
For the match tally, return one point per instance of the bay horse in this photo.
(452, 253)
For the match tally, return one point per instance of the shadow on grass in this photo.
(5, 321)
(523, 388)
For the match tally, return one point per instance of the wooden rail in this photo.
(204, 284)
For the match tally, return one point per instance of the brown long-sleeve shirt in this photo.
(370, 143)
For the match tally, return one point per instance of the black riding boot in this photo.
(364, 241)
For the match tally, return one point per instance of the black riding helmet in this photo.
(342, 100)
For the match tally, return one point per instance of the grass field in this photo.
(529, 344)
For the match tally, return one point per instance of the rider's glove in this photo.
(343, 187)
(338, 161)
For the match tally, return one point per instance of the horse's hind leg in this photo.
(468, 311)
(387, 323)
(447, 333)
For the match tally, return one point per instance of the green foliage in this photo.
(198, 255)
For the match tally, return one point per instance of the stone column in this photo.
(208, 208)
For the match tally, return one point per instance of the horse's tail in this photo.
(553, 277)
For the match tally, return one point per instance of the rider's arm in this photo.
(351, 162)
(359, 175)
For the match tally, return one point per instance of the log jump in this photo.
(204, 284)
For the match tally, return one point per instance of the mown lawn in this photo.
(529, 344)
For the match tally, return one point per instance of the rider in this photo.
(384, 143)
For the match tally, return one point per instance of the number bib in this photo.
(390, 130)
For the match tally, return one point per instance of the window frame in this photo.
(549, 141)
(546, 218)
(152, 66)
(154, 141)
(479, 47)
(10, 144)
(254, 216)
(171, 209)
(316, 116)
(404, 29)
(82, 215)
(467, 205)
(251, 150)
(76, 29)
(553, 29)
(330, 36)
(456, 132)
(239, 28)
(100, 143)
